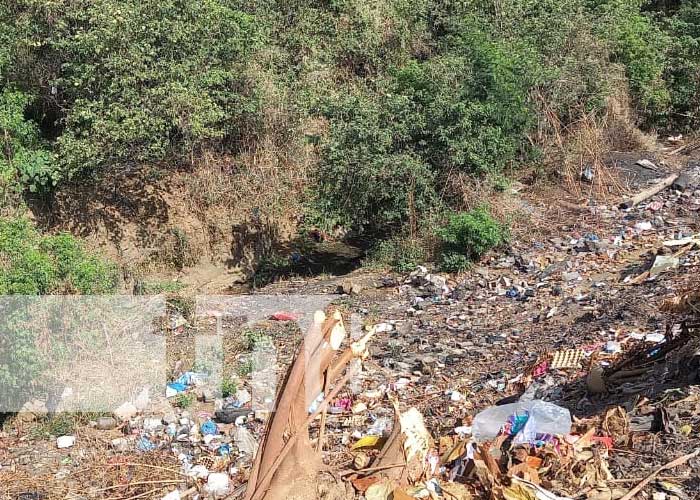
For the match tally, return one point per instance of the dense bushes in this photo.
(398, 95)
(124, 81)
(31, 264)
(25, 160)
(389, 147)
(683, 70)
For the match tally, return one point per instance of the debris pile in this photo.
(565, 367)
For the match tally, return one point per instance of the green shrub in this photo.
(640, 45)
(20, 362)
(184, 400)
(25, 160)
(401, 253)
(470, 234)
(31, 264)
(454, 262)
(79, 271)
(136, 80)
(158, 287)
(269, 268)
(229, 386)
(683, 70)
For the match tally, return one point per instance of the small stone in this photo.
(170, 418)
(120, 444)
(126, 411)
(428, 364)
(350, 287)
(106, 423)
(152, 425)
(681, 183)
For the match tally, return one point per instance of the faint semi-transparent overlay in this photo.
(94, 353)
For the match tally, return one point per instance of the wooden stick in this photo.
(674, 463)
(649, 192)
(322, 427)
(149, 466)
(635, 479)
(573, 206)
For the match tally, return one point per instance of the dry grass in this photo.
(269, 174)
(584, 145)
(104, 477)
(524, 218)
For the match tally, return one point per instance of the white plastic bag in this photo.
(544, 418)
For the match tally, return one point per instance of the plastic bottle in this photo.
(543, 418)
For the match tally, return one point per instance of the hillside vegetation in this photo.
(381, 104)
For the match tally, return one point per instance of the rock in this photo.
(32, 410)
(120, 444)
(647, 164)
(106, 423)
(170, 418)
(595, 381)
(152, 425)
(350, 287)
(594, 245)
(681, 183)
(229, 415)
(570, 276)
(65, 442)
(127, 411)
(383, 327)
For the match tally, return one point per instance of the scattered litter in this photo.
(663, 263)
(65, 442)
(217, 484)
(570, 358)
(525, 421)
(285, 316)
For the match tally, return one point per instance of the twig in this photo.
(136, 464)
(322, 428)
(372, 469)
(141, 495)
(662, 478)
(141, 483)
(650, 477)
